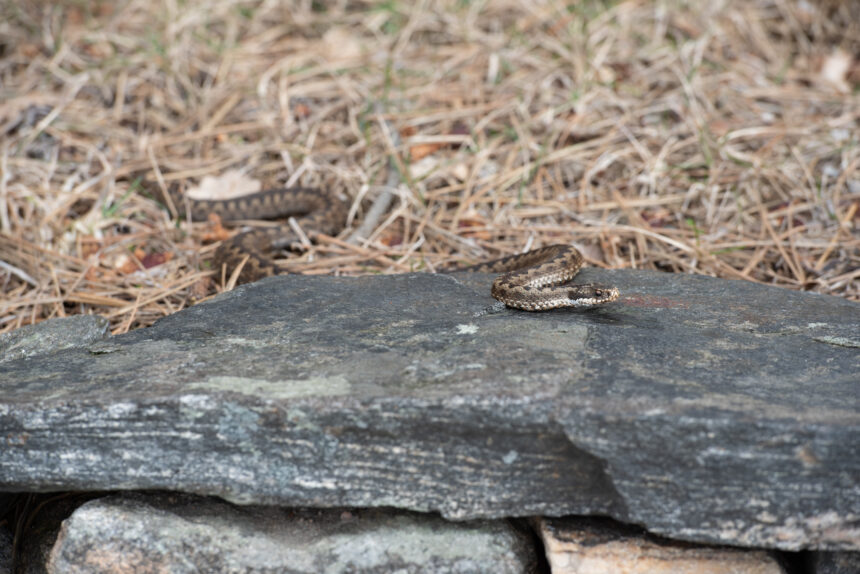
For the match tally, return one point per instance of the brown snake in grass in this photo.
(533, 281)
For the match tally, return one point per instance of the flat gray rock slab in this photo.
(702, 409)
(51, 336)
(181, 534)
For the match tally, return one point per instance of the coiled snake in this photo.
(532, 281)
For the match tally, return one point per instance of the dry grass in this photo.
(707, 137)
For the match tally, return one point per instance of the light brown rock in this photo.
(589, 546)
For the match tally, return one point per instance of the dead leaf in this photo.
(151, 260)
(460, 129)
(126, 264)
(89, 246)
(201, 288)
(657, 217)
(474, 226)
(421, 151)
(391, 239)
(29, 50)
(341, 45)
(835, 69)
(424, 167)
(460, 171)
(230, 184)
(301, 110)
(216, 231)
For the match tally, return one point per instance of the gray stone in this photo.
(186, 534)
(589, 546)
(835, 563)
(52, 335)
(702, 409)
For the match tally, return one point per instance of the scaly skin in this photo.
(532, 281)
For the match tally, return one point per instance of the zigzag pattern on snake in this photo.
(533, 281)
(316, 212)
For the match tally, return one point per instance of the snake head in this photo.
(592, 294)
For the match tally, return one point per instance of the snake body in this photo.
(316, 212)
(537, 280)
(533, 281)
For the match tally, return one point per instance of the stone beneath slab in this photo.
(702, 409)
(584, 546)
(180, 533)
